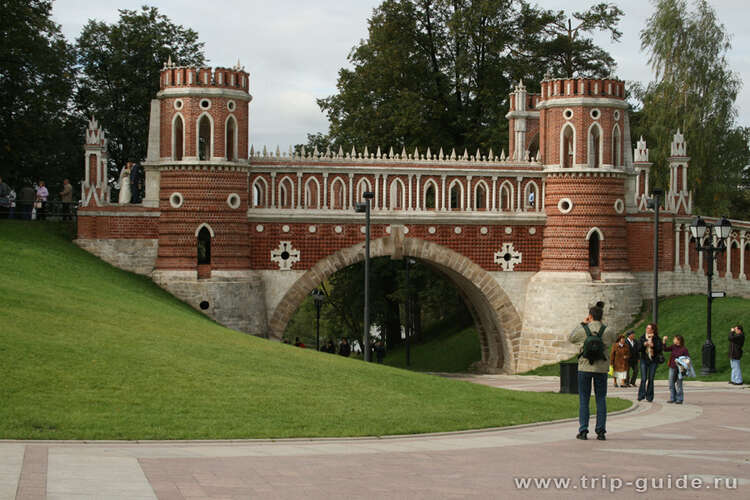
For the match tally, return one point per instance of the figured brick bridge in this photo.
(530, 240)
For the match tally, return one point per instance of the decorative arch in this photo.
(595, 142)
(530, 203)
(312, 193)
(204, 136)
(397, 195)
(429, 195)
(534, 146)
(497, 320)
(595, 230)
(567, 146)
(178, 137)
(286, 193)
(260, 192)
(595, 238)
(205, 225)
(363, 185)
(338, 194)
(616, 146)
(231, 136)
(481, 195)
(456, 198)
(505, 196)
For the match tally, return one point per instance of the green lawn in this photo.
(91, 352)
(686, 316)
(452, 351)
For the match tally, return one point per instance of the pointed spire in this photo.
(390, 153)
(278, 151)
(403, 153)
(367, 154)
(502, 155)
(265, 152)
(491, 156)
(328, 151)
(441, 156)
(252, 151)
(170, 64)
(354, 152)
(316, 154)
(453, 154)
(379, 154)
(340, 153)
(429, 154)
(478, 155)
(416, 153)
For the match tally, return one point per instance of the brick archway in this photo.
(495, 317)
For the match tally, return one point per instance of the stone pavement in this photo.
(698, 449)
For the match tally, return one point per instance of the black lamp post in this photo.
(409, 312)
(365, 208)
(654, 204)
(700, 231)
(318, 296)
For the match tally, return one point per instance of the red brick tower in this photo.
(198, 149)
(582, 148)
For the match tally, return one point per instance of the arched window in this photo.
(338, 194)
(286, 193)
(259, 192)
(204, 246)
(231, 139)
(506, 196)
(397, 194)
(531, 196)
(480, 196)
(616, 147)
(363, 186)
(204, 138)
(595, 146)
(430, 190)
(534, 147)
(312, 190)
(567, 146)
(594, 237)
(456, 195)
(178, 138)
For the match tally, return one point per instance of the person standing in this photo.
(593, 366)
(736, 341)
(41, 201)
(677, 349)
(633, 361)
(619, 360)
(66, 195)
(379, 351)
(125, 195)
(344, 348)
(26, 199)
(4, 199)
(651, 355)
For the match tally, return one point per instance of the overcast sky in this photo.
(293, 49)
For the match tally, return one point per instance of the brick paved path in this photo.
(706, 440)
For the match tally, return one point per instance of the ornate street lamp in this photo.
(365, 208)
(318, 296)
(705, 235)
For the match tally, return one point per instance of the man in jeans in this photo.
(736, 340)
(595, 372)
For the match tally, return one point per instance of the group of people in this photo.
(345, 348)
(131, 183)
(604, 351)
(31, 201)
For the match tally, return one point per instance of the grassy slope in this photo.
(686, 316)
(91, 352)
(453, 351)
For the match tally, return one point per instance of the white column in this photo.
(494, 193)
(544, 189)
(677, 247)
(410, 196)
(351, 191)
(743, 241)
(700, 263)
(686, 266)
(325, 190)
(385, 192)
(519, 206)
(442, 177)
(273, 189)
(728, 273)
(468, 193)
(377, 191)
(419, 192)
(299, 190)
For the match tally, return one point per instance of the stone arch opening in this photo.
(496, 319)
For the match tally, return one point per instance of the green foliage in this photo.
(437, 73)
(39, 137)
(92, 352)
(694, 91)
(120, 65)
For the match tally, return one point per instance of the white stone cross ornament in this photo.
(285, 255)
(507, 257)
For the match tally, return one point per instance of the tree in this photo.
(437, 73)
(120, 67)
(39, 136)
(694, 91)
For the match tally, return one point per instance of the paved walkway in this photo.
(698, 449)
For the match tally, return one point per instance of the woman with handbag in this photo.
(650, 349)
(619, 359)
(41, 201)
(677, 349)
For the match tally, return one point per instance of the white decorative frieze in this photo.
(507, 257)
(285, 255)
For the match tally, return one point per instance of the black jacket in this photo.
(643, 350)
(735, 345)
(345, 350)
(634, 351)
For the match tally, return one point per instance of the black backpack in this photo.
(593, 346)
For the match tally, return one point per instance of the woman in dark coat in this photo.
(650, 349)
(619, 359)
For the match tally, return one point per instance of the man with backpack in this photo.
(593, 365)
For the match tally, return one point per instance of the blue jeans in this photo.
(646, 389)
(584, 394)
(675, 386)
(736, 371)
